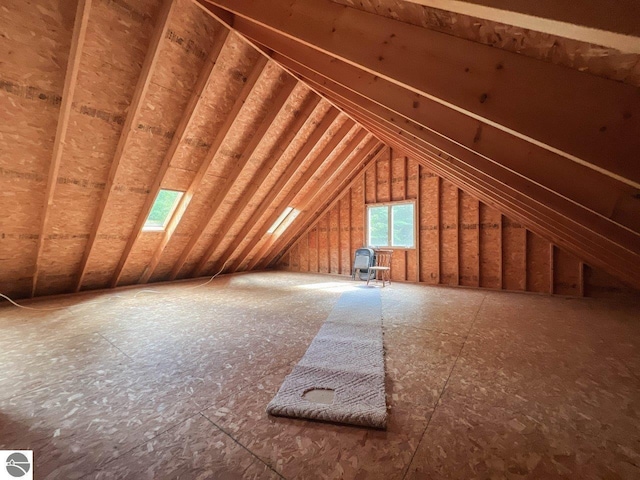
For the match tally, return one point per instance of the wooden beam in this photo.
(272, 158)
(257, 71)
(577, 218)
(70, 81)
(457, 135)
(289, 173)
(554, 107)
(320, 158)
(162, 24)
(331, 188)
(301, 204)
(278, 106)
(610, 24)
(481, 187)
(204, 79)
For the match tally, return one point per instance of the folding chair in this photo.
(382, 269)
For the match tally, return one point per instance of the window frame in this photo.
(390, 226)
(162, 228)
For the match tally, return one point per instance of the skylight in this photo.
(280, 219)
(164, 206)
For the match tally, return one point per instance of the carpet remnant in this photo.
(341, 376)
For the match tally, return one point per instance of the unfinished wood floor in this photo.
(174, 384)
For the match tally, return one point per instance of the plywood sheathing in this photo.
(183, 51)
(272, 177)
(269, 150)
(594, 59)
(34, 54)
(234, 65)
(456, 231)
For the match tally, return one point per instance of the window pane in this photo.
(379, 226)
(162, 208)
(402, 224)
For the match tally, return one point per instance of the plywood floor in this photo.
(173, 384)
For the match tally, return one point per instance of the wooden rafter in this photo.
(540, 217)
(278, 105)
(291, 171)
(453, 132)
(610, 24)
(305, 114)
(70, 80)
(204, 79)
(332, 203)
(341, 163)
(256, 73)
(129, 127)
(332, 187)
(285, 181)
(601, 206)
(592, 121)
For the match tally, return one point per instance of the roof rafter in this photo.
(204, 79)
(371, 148)
(256, 73)
(556, 108)
(278, 105)
(70, 81)
(135, 107)
(304, 115)
(610, 24)
(285, 181)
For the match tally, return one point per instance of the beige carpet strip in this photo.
(345, 359)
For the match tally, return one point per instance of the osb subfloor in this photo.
(174, 383)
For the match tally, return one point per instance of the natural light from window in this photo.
(163, 207)
(391, 225)
(280, 219)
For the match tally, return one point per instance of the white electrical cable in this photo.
(106, 300)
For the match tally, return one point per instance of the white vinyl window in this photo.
(391, 225)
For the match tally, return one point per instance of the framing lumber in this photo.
(70, 81)
(366, 167)
(279, 104)
(273, 157)
(129, 126)
(556, 108)
(337, 182)
(204, 79)
(610, 24)
(256, 73)
(291, 170)
(599, 229)
(320, 157)
(302, 203)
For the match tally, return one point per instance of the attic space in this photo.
(318, 239)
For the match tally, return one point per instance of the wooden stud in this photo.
(479, 186)
(204, 79)
(306, 111)
(70, 81)
(439, 224)
(501, 252)
(275, 109)
(458, 199)
(320, 158)
(417, 224)
(256, 73)
(552, 267)
(142, 86)
(581, 278)
(479, 263)
(339, 239)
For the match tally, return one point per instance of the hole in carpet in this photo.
(319, 395)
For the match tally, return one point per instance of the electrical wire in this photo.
(16, 304)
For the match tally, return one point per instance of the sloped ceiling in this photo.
(253, 107)
(550, 143)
